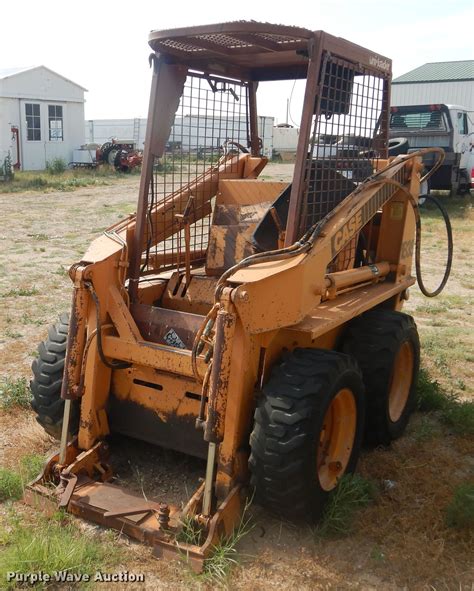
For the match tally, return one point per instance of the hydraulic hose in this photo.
(449, 233)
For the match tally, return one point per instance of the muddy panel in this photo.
(134, 420)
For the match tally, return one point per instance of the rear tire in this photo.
(464, 187)
(48, 369)
(386, 346)
(307, 433)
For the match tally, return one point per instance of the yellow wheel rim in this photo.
(336, 439)
(400, 381)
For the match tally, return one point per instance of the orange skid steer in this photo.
(250, 322)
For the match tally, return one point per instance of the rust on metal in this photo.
(221, 367)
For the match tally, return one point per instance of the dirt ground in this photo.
(399, 542)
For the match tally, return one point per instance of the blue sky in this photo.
(103, 45)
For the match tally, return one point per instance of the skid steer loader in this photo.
(250, 322)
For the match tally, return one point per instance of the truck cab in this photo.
(445, 126)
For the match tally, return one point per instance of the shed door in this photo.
(33, 134)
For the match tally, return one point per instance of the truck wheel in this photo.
(307, 432)
(47, 379)
(386, 346)
(464, 187)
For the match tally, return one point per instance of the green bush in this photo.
(429, 393)
(12, 482)
(14, 393)
(456, 414)
(351, 494)
(460, 512)
(56, 166)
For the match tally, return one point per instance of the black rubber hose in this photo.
(449, 262)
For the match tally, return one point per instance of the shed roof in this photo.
(10, 72)
(439, 72)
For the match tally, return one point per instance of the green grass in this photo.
(12, 482)
(351, 494)
(20, 292)
(190, 532)
(52, 545)
(14, 393)
(56, 180)
(457, 414)
(224, 555)
(460, 512)
(427, 429)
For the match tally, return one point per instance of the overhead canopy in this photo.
(249, 50)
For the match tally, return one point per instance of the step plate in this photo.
(112, 506)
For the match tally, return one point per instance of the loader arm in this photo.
(305, 274)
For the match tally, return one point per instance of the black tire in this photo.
(464, 187)
(285, 442)
(374, 340)
(45, 386)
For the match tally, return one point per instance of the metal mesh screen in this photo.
(344, 138)
(211, 118)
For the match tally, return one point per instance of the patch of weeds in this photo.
(377, 554)
(460, 512)
(224, 555)
(426, 430)
(442, 364)
(164, 167)
(61, 271)
(14, 393)
(21, 291)
(191, 532)
(351, 494)
(27, 319)
(12, 482)
(456, 414)
(11, 486)
(430, 309)
(53, 545)
(56, 166)
(12, 334)
(459, 416)
(431, 396)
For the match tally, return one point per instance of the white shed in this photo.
(41, 116)
(434, 83)
(99, 131)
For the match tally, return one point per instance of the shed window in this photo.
(33, 122)
(55, 118)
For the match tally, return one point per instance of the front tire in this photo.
(48, 369)
(386, 345)
(307, 433)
